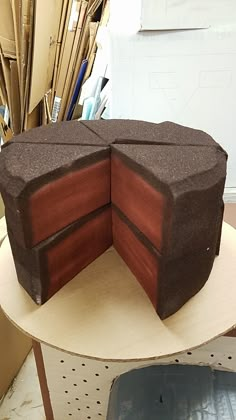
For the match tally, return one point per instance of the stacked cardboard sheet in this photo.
(47, 52)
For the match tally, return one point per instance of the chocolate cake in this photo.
(164, 183)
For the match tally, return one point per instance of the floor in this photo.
(23, 399)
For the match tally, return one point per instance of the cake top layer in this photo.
(26, 165)
(101, 133)
(142, 132)
(65, 132)
(166, 153)
(179, 168)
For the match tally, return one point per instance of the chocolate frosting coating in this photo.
(65, 132)
(142, 132)
(181, 278)
(105, 132)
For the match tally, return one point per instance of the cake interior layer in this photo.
(142, 263)
(143, 205)
(74, 252)
(68, 198)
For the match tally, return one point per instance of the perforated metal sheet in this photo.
(80, 388)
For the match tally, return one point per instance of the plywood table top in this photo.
(104, 314)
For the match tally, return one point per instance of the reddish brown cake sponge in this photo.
(58, 187)
(144, 205)
(139, 259)
(89, 186)
(46, 268)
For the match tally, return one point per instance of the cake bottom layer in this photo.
(46, 268)
(169, 282)
(220, 224)
(143, 264)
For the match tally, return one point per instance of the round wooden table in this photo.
(101, 325)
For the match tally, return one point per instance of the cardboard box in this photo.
(15, 98)
(230, 215)
(14, 346)
(7, 35)
(185, 76)
(13, 351)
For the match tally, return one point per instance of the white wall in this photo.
(186, 76)
(180, 14)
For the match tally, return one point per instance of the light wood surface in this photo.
(2, 210)
(103, 313)
(3, 229)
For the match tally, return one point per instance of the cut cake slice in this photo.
(47, 187)
(173, 195)
(167, 217)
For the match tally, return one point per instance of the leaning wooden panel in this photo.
(44, 35)
(7, 35)
(14, 345)
(43, 380)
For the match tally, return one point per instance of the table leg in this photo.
(43, 380)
